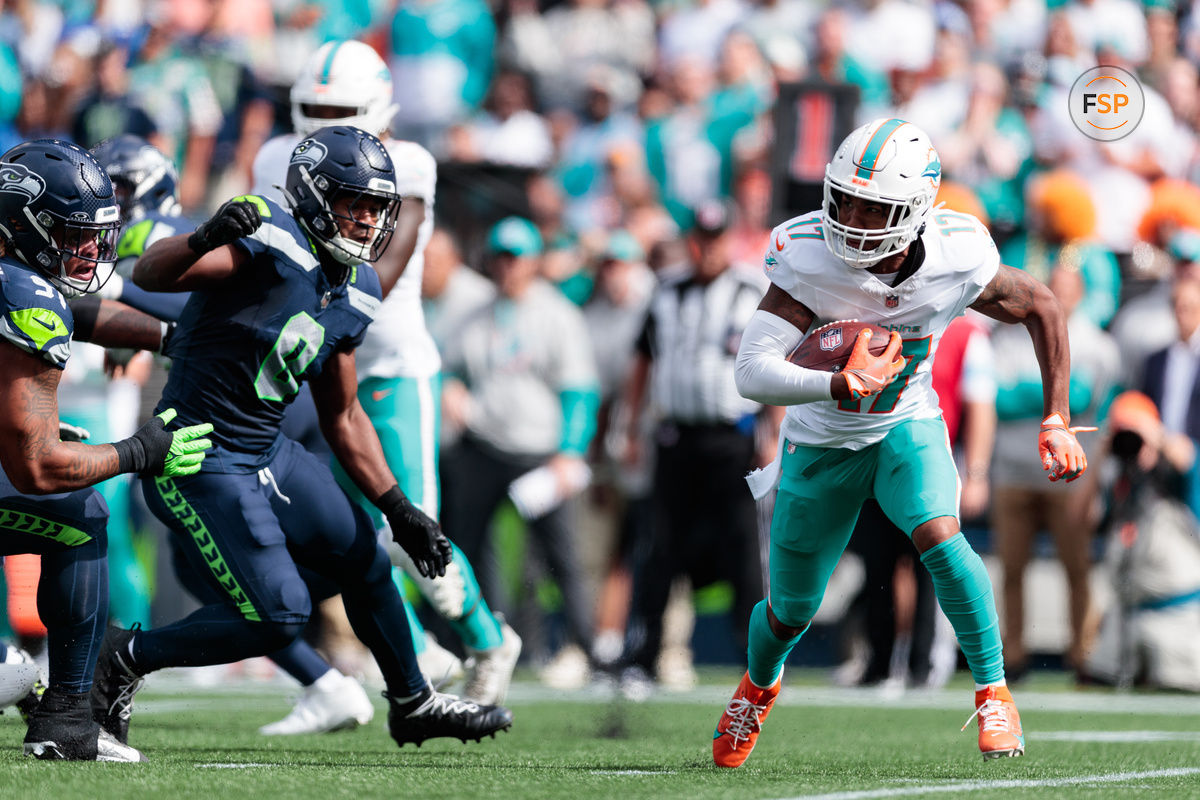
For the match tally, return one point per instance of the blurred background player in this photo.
(346, 82)
(875, 251)
(58, 227)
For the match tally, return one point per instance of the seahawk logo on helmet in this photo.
(341, 185)
(16, 179)
(309, 152)
(144, 179)
(58, 213)
(343, 83)
(890, 162)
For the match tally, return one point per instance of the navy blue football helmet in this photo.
(341, 186)
(58, 213)
(144, 179)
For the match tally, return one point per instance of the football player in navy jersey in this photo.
(147, 190)
(279, 298)
(58, 228)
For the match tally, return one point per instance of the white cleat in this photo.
(438, 664)
(491, 671)
(335, 702)
(107, 749)
(18, 676)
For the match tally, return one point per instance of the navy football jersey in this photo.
(135, 238)
(33, 314)
(243, 348)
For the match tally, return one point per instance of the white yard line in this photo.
(983, 786)
(1115, 736)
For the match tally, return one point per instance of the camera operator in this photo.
(1152, 634)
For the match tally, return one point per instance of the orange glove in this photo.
(1061, 454)
(867, 374)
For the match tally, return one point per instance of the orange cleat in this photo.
(999, 723)
(738, 728)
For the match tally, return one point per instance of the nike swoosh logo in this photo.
(379, 394)
(779, 242)
(50, 326)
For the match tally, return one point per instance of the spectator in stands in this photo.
(180, 99)
(620, 497)
(108, 109)
(1061, 217)
(442, 55)
(508, 130)
(1022, 503)
(563, 47)
(521, 383)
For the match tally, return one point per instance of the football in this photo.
(828, 347)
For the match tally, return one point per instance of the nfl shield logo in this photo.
(892, 301)
(831, 339)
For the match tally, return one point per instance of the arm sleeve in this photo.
(579, 409)
(167, 306)
(763, 372)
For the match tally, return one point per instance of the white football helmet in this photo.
(345, 74)
(891, 162)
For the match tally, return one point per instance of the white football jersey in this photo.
(960, 260)
(397, 343)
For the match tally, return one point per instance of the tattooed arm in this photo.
(30, 451)
(1015, 296)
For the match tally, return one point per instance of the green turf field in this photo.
(819, 741)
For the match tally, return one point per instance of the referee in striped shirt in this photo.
(705, 523)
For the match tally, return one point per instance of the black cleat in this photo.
(445, 715)
(115, 684)
(61, 728)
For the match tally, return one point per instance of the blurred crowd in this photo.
(624, 120)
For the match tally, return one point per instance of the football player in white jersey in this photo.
(347, 83)
(879, 251)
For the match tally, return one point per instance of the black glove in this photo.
(235, 219)
(153, 450)
(416, 533)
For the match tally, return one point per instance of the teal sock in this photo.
(964, 592)
(478, 628)
(474, 622)
(766, 652)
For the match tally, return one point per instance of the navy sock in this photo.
(72, 600)
(301, 661)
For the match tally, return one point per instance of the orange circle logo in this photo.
(1106, 103)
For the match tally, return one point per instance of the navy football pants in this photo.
(69, 532)
(248, 536)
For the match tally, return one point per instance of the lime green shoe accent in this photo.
(191, 522)
(24, 522)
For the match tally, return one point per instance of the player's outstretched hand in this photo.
(867, 374)
(153, 450)
(417, 534)
(233, 220)
(1062, 455)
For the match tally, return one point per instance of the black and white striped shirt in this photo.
(692, 334)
